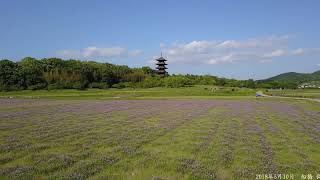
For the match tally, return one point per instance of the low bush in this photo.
(176, 81)
(99, 85)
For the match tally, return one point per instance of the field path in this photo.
(286, 97)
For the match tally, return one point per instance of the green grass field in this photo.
(304, 93)
(187, 133)
(196, 91)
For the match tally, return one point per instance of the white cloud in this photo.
(226, 59)
(93, 52)
(212, 61)
(69, 53)
(276, 53)
(162, 45)
(135, 53)
(230, 44)
(228, 51)
(298, 51)
(103, 52)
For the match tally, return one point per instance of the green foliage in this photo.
(136, 76)
(147, 70)
(55, 73)
(55, 86)
(37, 86)
(99, 85)
(32, 72)
(10, 76)
(151, 82)
(176, 81)
(124, 85)
(250, 83)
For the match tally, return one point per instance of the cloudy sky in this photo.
(237, 39)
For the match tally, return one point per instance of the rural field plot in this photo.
(158, 139)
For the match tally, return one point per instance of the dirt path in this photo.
(286, 97)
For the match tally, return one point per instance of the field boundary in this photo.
(287, 97)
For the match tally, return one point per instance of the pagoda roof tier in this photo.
(161, 59)
(160, 67)
(161, 63)
(161, 71)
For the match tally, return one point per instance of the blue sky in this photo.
(238, 39)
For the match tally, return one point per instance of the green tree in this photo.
(32, 70)
(250, 83)
(10, 76)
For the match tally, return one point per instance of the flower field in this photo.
(158, 139)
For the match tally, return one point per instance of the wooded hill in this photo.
(292, 79)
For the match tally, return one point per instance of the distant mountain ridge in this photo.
(293, 77)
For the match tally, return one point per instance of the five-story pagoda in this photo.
(161, 66)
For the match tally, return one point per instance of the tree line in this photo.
(55, 73)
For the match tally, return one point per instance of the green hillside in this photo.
(294, 77)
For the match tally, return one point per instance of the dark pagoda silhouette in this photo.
(161, 66)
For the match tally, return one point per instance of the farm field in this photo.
(201, 91)
(235, 138)
(304, 93)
